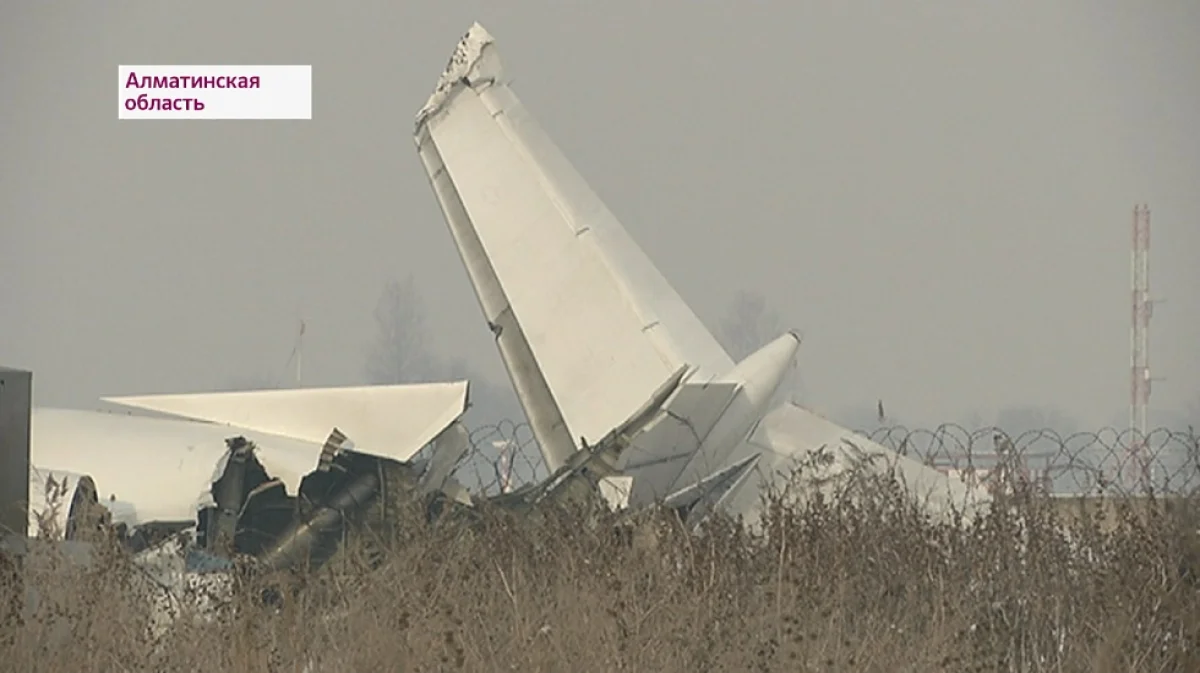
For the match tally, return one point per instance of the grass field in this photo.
(864, 583)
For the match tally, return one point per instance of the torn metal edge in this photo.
(463, 68)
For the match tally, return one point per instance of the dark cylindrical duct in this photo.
(298, 542)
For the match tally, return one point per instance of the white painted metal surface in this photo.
(151, 469)
(616, 490)
(792, 437)
(545, 419)
(558, 256)
(757, 377)
(393, 421)
(587, 341)
(162, 469)
(50, 494)
(597, 327)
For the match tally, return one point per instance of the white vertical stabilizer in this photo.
(586, 324)
(573, 280)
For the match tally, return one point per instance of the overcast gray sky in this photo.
(938, 194)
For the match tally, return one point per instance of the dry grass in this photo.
(850, 584)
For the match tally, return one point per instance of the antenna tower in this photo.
(1139, 347)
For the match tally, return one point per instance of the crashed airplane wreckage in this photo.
(247, 474)
(591, 333)
(151, 477)
(245, 481)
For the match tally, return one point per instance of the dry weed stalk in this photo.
(856, 579)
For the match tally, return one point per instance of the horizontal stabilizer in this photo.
(392, 421)
(656, 457)
(703, 498)
(615, 443)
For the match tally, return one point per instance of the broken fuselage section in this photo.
(155, 473)
(239, 483)
(253, 516)
(268, 503)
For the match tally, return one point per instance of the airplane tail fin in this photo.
(586, 325)
(657, 457)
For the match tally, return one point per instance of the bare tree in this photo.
(399, 353)
(747, 326)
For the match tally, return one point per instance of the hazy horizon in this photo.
(939, 198)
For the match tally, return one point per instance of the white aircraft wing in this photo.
(390, 421)
(601, 329)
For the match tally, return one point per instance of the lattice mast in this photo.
(1143, 308)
